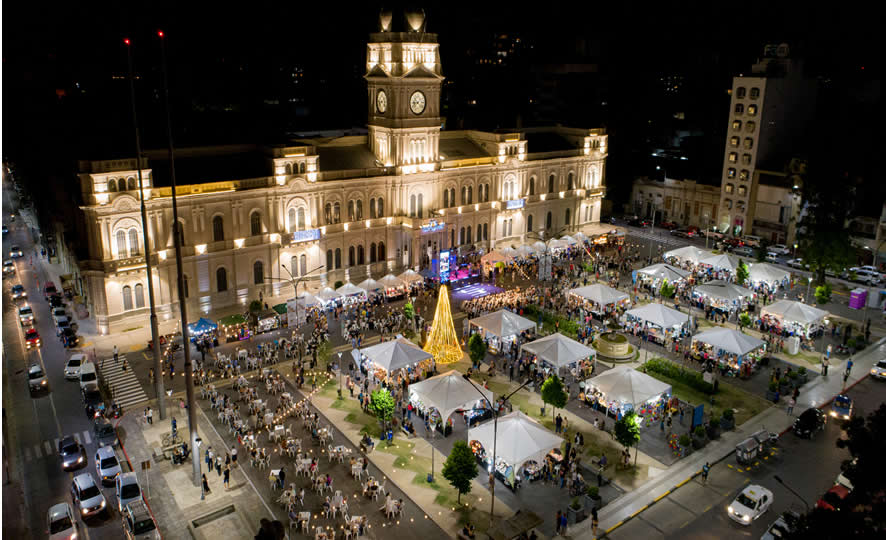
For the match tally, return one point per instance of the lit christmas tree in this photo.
(443, 341)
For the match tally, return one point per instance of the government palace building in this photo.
(258, 218)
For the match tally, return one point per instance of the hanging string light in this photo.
(443, 341)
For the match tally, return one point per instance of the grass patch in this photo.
(808, 357)
(613, 338)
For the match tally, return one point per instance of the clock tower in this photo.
(404, 80)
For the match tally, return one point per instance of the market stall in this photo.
(558, 351)
(722, 295)
(496, 256)
(734, 352)
(568, 240)
(661, 271)
(234, 328)
(793, 318)
(203, 328)
(283, 312)
(660, 322)
(394, 287)
(686, 254)
(371, 286)
(501, 328)
(719, 264)
(328, 295)
(410, 277)
(389, 356)
(603, 299)
(267, 320)
(351, 293)
(437, 398)
(767, 276)
(508, 251)
(520, 443)
(525, 251)
(623, 389)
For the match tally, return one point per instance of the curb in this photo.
(131, 468)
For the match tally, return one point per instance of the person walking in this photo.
(209, 457)
(845, 377)
(116, 355)
(563, 522)
(557, 521)
(149, 416)
(206, 490)
(233, 456)
(595, 521)
(704, 472)
(218, 465)
(227, 480)
(824, 364)
(791, 403)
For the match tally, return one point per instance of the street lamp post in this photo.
(780, 481)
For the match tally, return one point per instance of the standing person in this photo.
(150, 416)
(116, 355)
(209, 457)
(227, 480)
(824, 364)
(845, 377)
(557, 521)
(218, 465)
(595, 522)
(233, 456)
(206, 489)
(791, 403)
(174, 427)
(704, 472)
(563, 522)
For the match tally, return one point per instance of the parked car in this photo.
(105, 434)
(779, 249)
(138, 524)
(810, 422)
(681, 233)
(49, 289)
(668, 225)
(782, 527)
(864, 275)
(843, 477)
(72, 368)
(772, 256)
(71, 452)
(798, 264)
(750, 504)
(751, 240)
(744, 251)
(878, 371)
(25, 315)
(88, 374)
(69, 338)
(842, 407)
(127, 490)
(19, 292)
(106, 465)
(37, 381)
(56, 301)
(710, 233)
(32, 339)
(88, 498)
(58, 312)
(60, 324)
(833, 498)
(15, 252)
(8, 268)
(60, 522)
(92, 400)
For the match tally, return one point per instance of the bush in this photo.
(784, 381)
(575, 504)
(593, 492)
(338, 284)
(793, 374)
(801, 372)
(851, 343)
(773, 386)
(728, 414)
(714, 422)
(700, 432)
(684, 440)
(669, 369)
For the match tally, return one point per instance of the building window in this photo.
(350, 210)
(329, 259)
(570, 181)
(532, 186)
(752, 110)
(470, 195)
(730, 173)
(734, 141)
(729, 188)
(551, 184)
(133, 243)
(361, 255)
(218, 229)
(421, 211)
(744, 174)
(328, 212)
(568, 216)
(485, 231)
(359, 210)
(300, 219)
(736, 125)
(695, 209)
(221, 279)
(739, 108)
(445, 200)
(301, 168)
(372, 252)
(750, 126)
(451, 197)
(742, 190)
(352, 259)
(748, 143)
(382, 253)
(452, 238)
(293, 267)
(733, 157)
(745, 159)
(289, 168)
(412, 204)
(464, 194)
(549, 222)
(740, 92)
(139, 295)
(112, 185)
(127, 298)
(755, 93)
(461, 236)
(336, 212)
(258, 273)
(255, 223)
(470, 236)
(121, 244)
(337, 258)
(380, 207)
(132, 184)
(303, 264)
(372, 214)
(728, 203)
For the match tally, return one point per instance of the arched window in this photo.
(550, 221)
(421, 212)
(112, 185)
(359, 210)
(133, 242)
(301, 168)
(451, 197)
(328, 213)
(329, 259)
(412, 206)
(303, 265)
(381, 207)
(336, 212)
(337, 258)
(127, 298)
(382, 253)
(290, 220)
(350, 210)
(181, 231)
(300, 219)
(464, 194)
(293, 266)
(132, 184)
(461, 236)
(221, 280)
(258, 273)
(529, 224)
(469, 236)
(121, 244)
(372, 214)
(361, 255)
(485, 231)
(352, 259)
(445, 198)
(568, 215)
(255, 223)
(139, 295)
(569, 182)
(451, 238)
(289, 168)
(470, 195)
(218, 229)
(372, 253)
(532, 186)
(551, 184)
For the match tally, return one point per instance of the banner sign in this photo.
(516, 204)
(305, 236)
(433, 226)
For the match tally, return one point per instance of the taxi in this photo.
(750, 504)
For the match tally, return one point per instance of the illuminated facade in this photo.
(338, 208)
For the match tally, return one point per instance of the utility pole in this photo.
(155, 333)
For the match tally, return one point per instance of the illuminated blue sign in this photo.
(516, 204)
(305, 236)
(433, 226)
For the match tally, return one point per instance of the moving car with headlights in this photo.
(25, 315)
(72, 368)
(106, 465)
(88, 498)
(19, 292)
(32, 339)
(15, 252)
(71, 452)
(842, 407)
(60, 522)
(127, 489)
(750, 504)
(782, 527)
(37, 381)
(138, 523)
(8, 268)
(5, 229)
(105, 434)
(879, 370)
(810, 422)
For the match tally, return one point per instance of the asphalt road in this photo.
(698, 511)
(35, 423)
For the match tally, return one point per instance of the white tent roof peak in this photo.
(792, 311)
(449, 392)
(520, 439)
(496, 256)
(723, 290)
(723, 260)
(503, 323)
(658, 315)
(391, 281)
(370, 285)
(328, 294)
(664, 271)
(628, 385)
(687, 253)
(558, 350)
(600, 294)
(410, 276)
(767, 272)
(396, 354)
(349, 289)
(729, 340)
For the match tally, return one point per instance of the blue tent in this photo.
(202, 326)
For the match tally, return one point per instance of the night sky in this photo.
(254, 72)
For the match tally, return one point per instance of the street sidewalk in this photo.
(816, 393)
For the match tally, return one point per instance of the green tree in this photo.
(381, 403)
(744, 320)
(760, 253)
(255, 306)
(409, 310)
(823, 293)
(477, 348)
(742, 273)
(552, 393)
(460, 468)
(667, 290)
(627, 431)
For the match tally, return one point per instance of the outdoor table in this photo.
(342, 449)
(269, 418)
(356, 470)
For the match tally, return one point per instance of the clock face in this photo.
(417, 102)
(381, 101)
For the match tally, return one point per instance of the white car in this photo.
(106, 465)
(60, 522)
(866, 276)
(25, 315)
(58, 312)
(18, 292)
(138, 524)
(87, 495)
(744, 251)
(772, 257)
(878, 371)
(72, 368)
(750, 504)
(127, 490)
(15, 252)
(8, 267)
(780, 249)
(798, 264)
(36, 378)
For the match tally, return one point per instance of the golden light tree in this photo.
(443, 341)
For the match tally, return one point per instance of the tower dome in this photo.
(385, 18)
(415, 19)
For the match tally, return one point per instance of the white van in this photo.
(751, 240)
(88, 374)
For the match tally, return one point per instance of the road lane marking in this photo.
(684, 524)
(708, 508)
(87, 438)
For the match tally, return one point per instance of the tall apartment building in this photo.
(770, 113)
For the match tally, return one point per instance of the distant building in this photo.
(775, 204)
(685, 202)
(770, 114)
(869, 233)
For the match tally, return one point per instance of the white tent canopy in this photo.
(723, 261)
(731, 341)
(327, 294)
(658, 315)
(495, 256)
(520, 439)
(627, 385)
(568, 240)
(664, 271)
(600, 294)
(410, 276)
(558, 350)
(349, 289)
(792, 311)
(391, 281)
(580, 236)
(396, 354)
(723, 290)
(525, 250)
(767, 273)
(307, 299)
(687, 253)
(447, 393)
(539, 247)
(503, 323)
(508, 251)
(370, 285)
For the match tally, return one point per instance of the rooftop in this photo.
(460, 148)
(211, 167)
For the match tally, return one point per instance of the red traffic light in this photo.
(160, 33)
(126, 41)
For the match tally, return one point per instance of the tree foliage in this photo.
(667, 290)
(460, 468)
(745, 320)
(477, 348)
(552, 392)
(627, 430)
(742, 273)
(823, 294)
(255, 306)
(381, 403)
(409, 310)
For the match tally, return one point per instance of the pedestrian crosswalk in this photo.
(125, 388)
(49, 449)
(663, 238)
